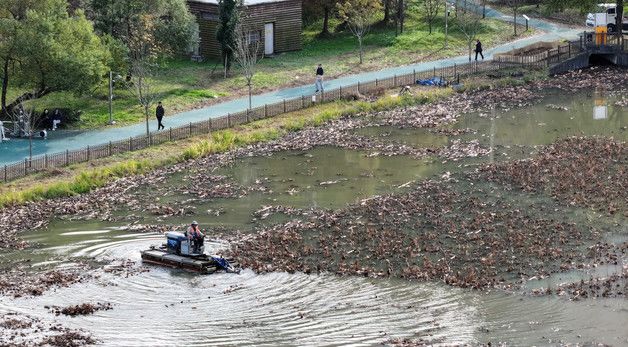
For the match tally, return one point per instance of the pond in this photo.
(165, 307)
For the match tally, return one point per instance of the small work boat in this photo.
(182, 253)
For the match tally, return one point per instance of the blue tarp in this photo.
(435, 81)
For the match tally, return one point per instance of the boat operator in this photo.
(195, 235)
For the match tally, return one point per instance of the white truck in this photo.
(607, 17)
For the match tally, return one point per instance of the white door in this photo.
(269, 38)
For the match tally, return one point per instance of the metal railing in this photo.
(545, 58)
(61, 159)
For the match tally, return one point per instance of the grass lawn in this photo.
(184, 85)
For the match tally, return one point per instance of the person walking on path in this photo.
(319, 78)
(160, 115)
(478, 50)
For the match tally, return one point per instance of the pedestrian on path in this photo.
(160, 115)
(319, 78)
(478, 50)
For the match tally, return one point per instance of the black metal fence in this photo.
(546, 58)
(48, 161)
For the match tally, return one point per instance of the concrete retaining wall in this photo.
(578, 62)
(621, 59)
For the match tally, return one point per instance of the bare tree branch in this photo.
(142, 74)
(247, 53)
(469, 24)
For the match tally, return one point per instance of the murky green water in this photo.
(166, 307)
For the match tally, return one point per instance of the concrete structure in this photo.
(609, 48)
(276, 23)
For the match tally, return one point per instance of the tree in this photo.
(226, 34)
(247, 54)
(359, 15)
(141, 86)
(146, 27)
(43, 49)
(431, 9)
(388, 4)
(469, 25)
(514, 6)
(400, 17)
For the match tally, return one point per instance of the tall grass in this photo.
(82, 183)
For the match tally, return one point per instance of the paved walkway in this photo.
(59, 141)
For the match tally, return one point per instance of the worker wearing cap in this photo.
(195, 235)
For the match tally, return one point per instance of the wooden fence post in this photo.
(395, 80)
(265, 110)
(109, 149)
(25, 161)
(376, 82)
(341, 92)
(67, 155)
(322, 96)
(228, 120)
(45, 161)
(130, 143)
(88, 154)
(247, 115)
(302, 101)
(170, 134)
(413, 76)
(358, 87)
(5, 173)
(284, 105)
(434, 75)
(190, 129)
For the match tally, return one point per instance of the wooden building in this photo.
(277, 23)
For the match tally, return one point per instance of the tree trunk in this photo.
(430, 25)
(325, 30)
(361, 52)
(515, 19)
(250, 96)
(30, 147)
(386, 19)
(147, 127)
(25, 97)
(470, 49)
(5, 87)
(483, 9)
(619, 23)
(400, 15)
(225, 59)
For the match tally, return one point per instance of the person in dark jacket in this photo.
(319, 78)
(478, 50)
(160, 116)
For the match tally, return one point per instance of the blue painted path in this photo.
(59, 141)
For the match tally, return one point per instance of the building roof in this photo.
(246, 2)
